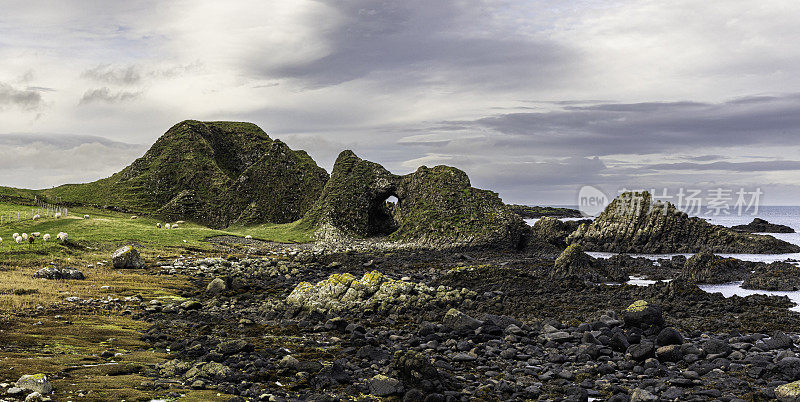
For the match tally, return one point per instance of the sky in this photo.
(533, 99)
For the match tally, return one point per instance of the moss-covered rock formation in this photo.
(435, 207)
(215, 173)
(774, 276)
(575, 263)
(705, 267)
(633, 223)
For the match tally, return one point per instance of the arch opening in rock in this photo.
(382, 214)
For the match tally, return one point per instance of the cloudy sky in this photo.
(532, 98)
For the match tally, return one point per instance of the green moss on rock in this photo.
(214, 173)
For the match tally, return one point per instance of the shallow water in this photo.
(735, 288)
(531, 221)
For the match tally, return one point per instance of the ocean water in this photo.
(784, 215)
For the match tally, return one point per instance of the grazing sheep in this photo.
(18, 239)
(36, 234)
(61, 236)
(86, 217)
(57, 215)
(1, 241)
(248, 237)
(158, 225)
(37, 217)
(15, 235)
(174, 225)
(46, 237)
(134, 217)
(167, 226)
(24, 236)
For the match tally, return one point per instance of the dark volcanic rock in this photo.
(644, 315)
(436, 207)
(554, 231)
(575, 263)
(633, 223)
(759, 225)
(705, 267)
(529, 212)
(774, 276)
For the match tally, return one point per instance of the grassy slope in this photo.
(45, 344)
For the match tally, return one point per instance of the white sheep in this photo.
(180, 222)
(1, 241)
(158, 225)
(248, 237)
(36, 234)
(46, 237)
(167, 226)
(24, 236)
(37, 217)
(18, 239)
(174, 225)
(134, 217)
(57, 215)
(61, 236)
(15, 235)
(86, 217)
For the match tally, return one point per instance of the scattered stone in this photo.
(381, 385)
(641, 314)
(759, 225)
(788, 392)
(216, 286)
(460, 321)
(59, 273)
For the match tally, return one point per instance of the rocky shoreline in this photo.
(301, 325)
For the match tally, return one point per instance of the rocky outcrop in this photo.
(214, 173)
(554, 231)
(633, 223)
(774, 276)
(375, 292)
(575, 263)
(705, 267)
(436, 207)
(759, 225)
(529, 212)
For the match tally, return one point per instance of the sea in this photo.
(784, 215)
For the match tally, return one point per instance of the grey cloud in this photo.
(760, 166)
(109, 74)
(25, 99)
(641, 128)
(44, 160)
(105, 95)
(435, 43)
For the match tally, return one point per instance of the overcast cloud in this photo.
(532, 98)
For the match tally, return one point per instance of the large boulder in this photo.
(705, 267)
(774, 276)
(788, 392)
(759, 225)
(127, 257)
(633, 223)
(35, 383)
(436, 207)
(575, 263)
(643, 315)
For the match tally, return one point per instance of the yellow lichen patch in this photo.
(373, 278)
(639, 305)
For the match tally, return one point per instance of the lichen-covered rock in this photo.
(644, 315)
(216, 286)
(633, 223)
(554, 231)
(36, 383)
(705, 267)
(774, 276)
(788, 392)
(759, 225)
(59, 273)
(127, 257)
(381, 385)
(373, 291)
(435, 207)
(575, 263)
(459, 321)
